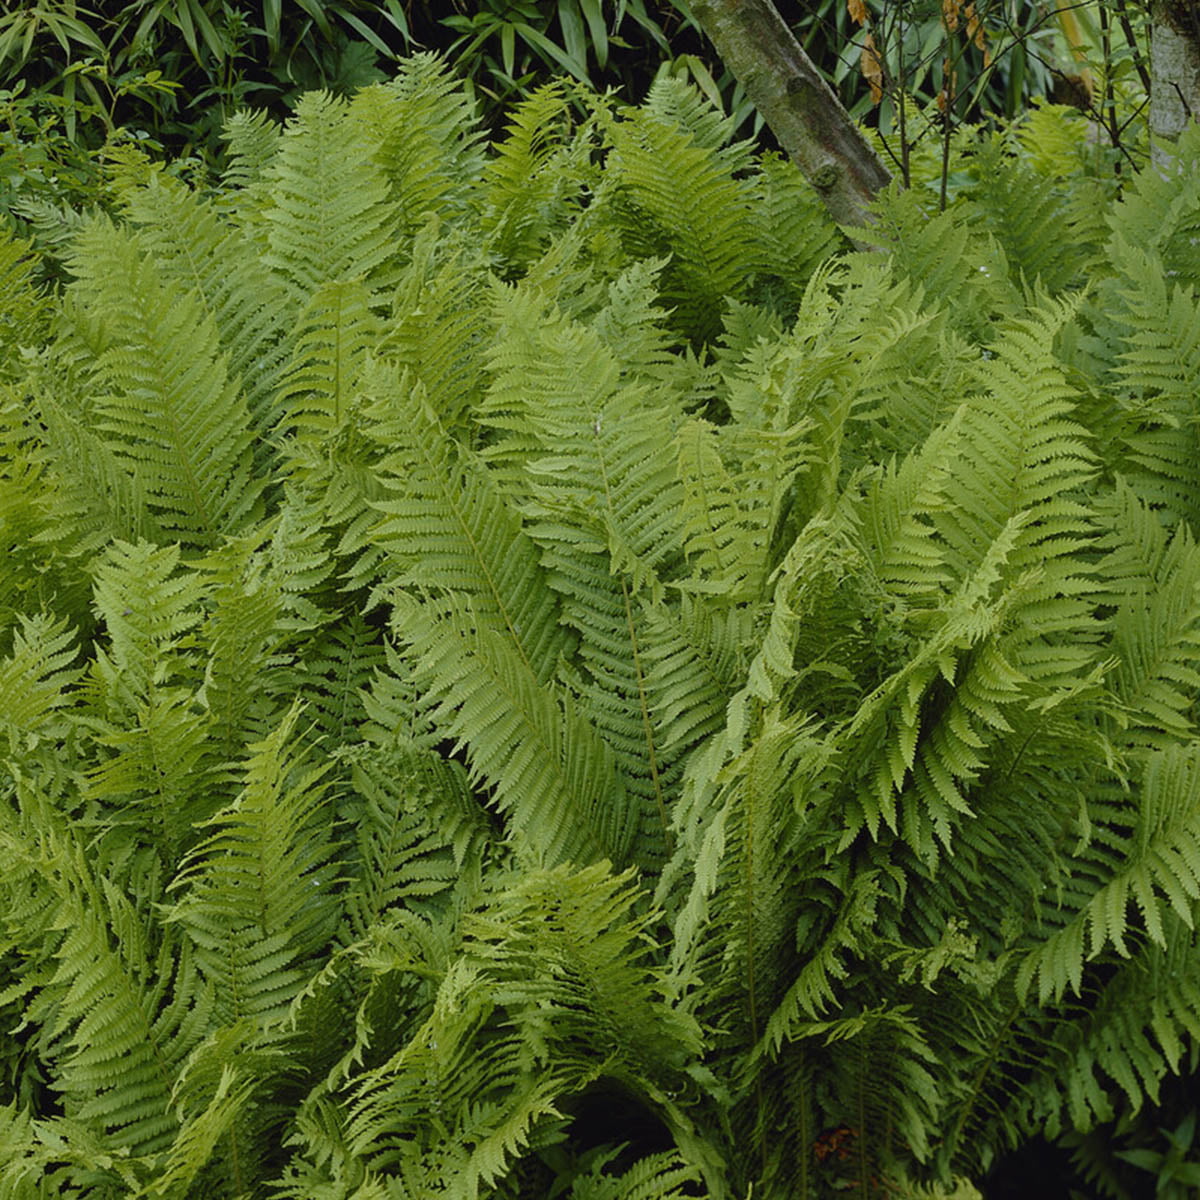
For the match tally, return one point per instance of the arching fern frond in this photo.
(448, 529)
(554, 778)
(675, 193)
(34, 678)
(198, 250)
(1152, 580)
(1151, 859)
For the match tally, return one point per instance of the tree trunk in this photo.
(797, 104)
(1174, 72)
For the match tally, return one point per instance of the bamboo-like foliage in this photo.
(549, 674)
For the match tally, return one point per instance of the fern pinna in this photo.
(540, 670)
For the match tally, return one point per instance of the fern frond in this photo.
(1020, 206)
(676, 193)
(171, 415)
(198, 250)
(146, 607)
(1157, 861)
(120, 1012)
(1157, 329)
(447, 529)
(420, 832)
(255, 893)
(554, 778)
(1152, 581)
(561, 955)
(330, 219)
(94, 496)
(1158, 213)
(424, 133)
(656, 1177)
(34, 677)
(533, 177)
(795, 229)
(940, 254)
(439, 324)
(252, 139)
(322, 381)
(23, 312)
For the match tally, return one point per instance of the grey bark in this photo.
(797, 104)
(1174, 72)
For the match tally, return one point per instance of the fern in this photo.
(171, 414)
(536, 669)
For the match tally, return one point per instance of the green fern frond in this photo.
(420, 833)
(940, 254)
(93, 495)
(1019, 206)
(535, 176)
(255, 893)
(337, 328)
(674, 193)
(1155, 328)
(147, 607)
(171, 414)
(252, 139)
(34, 677)
(198, 1139)
(337, 667)
(1158, 213)
(424, 134)
(439, 325)
(602, 441)
(1152, 581)
(199, 250)
(330, 218)
(448, 529)
(554, 778)
(121, 1011)
(157, 774)
(662, 1176)
(795, 229)
(560, 959)
(1158, 860)
(23, 311)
